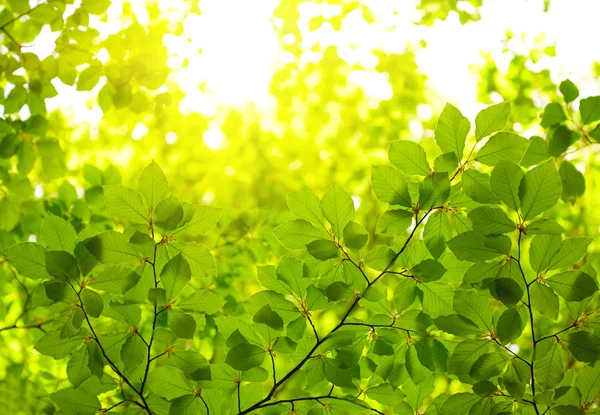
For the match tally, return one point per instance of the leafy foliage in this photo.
(461, 281)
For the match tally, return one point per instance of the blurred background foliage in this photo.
(241, 102)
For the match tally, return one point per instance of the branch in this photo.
(263, 402)
(355, 264)
(318, 398)
(531, 366)
(149, 345)
(555, 334)
(273, 364)
(238, 396)
(511, 352)
(110, 362)
(313, 327)
(28, 326)
(385, 326)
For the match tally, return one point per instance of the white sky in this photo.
(240, 50)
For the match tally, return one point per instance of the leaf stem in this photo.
(149, 359)
(555, 334)
(531, 366)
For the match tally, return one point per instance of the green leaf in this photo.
(544, 300)
(417, 393)
(510, 325)
(436, 233)
(125, 203)
(474, 307)
(588, 383)
(464, 355)
(568, 90)
(457, 325)
(516, 377)
(92, 303)
(95, 359)
(204, 218)
(539, 190)
(202, 302)
(409, 157)
(77, 369)
(434, 190)
(133, 353)
(291, 272)
(182, 324)
(269, 317)
(390, 186)
(89, 77)
(115, 279)
(157, 296)
(503, 147)
(504, 183)
(537, 152)
(589, 108)
(553, 114)
(573, 285)
(491, 119)
(405, 293)
(451, 131)
(130, 314)
(488, 365)
(488, 220)
(153, 185)
(571, 251)
(296, 234)
(338, 208)
(305, 205)
(544, 227)
(323, 249)
(50, 344)
(175, 275)
(245, 356)
(58, 234)
(76, 401)
(168, 382)
(459, 403)
(507, 290)
(385, 394)
(61, 265)
(188, 405)
(192, 364)
(572, 180)
(428, 270)
(9, 213)
(560, 140)
(446, 162)
(29, 259)
(473, 247)
(584, 346)
(199, 258)
(355, 236)
(168, 214)
(437, 298)
(394, 222)
(549, 365)
(476, 185)
(112, 247)
(484, 388)
(542, 250)
(336, 373)
(379, 257)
